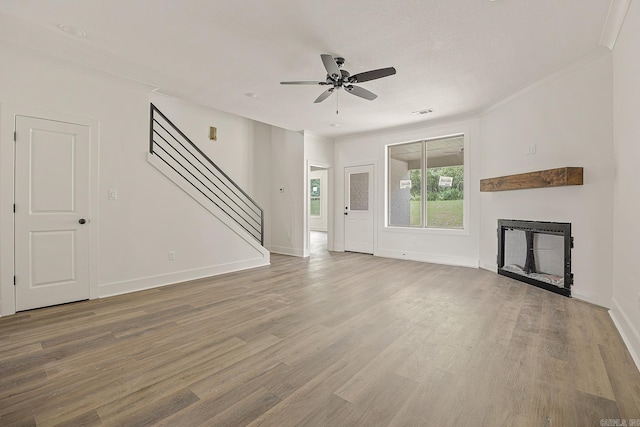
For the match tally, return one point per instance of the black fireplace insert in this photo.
(537, 253)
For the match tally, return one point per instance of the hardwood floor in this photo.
(335, 340)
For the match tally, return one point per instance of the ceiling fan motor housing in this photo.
(340, 81)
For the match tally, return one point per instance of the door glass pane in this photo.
(359, 191)
(405, 185)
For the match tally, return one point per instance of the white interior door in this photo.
(358, 211)
(51, 212)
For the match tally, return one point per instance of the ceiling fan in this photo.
(338, 78)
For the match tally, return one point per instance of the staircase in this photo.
(173, 154)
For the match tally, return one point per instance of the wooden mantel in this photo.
(539, 179)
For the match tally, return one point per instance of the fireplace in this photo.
(537, 253)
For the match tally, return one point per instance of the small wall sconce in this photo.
(213, 134)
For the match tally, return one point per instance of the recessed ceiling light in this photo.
(73, 31)
(334, 125)
(425, 111)
(252, 95)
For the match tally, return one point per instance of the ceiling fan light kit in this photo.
(338, 78)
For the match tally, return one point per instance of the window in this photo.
(426, 183)
(314, 195)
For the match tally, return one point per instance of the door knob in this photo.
(82, 221)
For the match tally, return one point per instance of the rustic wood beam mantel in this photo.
(539, 179)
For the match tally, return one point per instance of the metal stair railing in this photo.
(172, 146)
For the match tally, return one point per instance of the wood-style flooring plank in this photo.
(338, 339)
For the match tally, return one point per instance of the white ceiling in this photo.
(455, 56)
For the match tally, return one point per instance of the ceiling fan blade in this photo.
(362, 93)
(308, 82)
(324, 95)
(372, 75)
(331, 66)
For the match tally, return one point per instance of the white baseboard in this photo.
(629, 334)
(286, 251)
(488, 267)
(587, 298)
(127, 286)
(432, 258)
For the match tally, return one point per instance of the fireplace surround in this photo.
(537, 253)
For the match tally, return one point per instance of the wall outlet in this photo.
(530, 149)
(113, 195)
(172, 255)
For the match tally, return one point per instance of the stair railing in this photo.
(172, 146)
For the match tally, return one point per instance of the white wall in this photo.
(626, 200)
(287, 192)
(568, 118)
(454, 247)
(262, 190)
(233, 151)
(151, 215)
(319, 223)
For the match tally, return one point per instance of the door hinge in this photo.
(14, 208)
(14, 137)
(14, 280)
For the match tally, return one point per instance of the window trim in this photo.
(464, 231)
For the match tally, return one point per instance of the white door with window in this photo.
(358, 209)
(52, 181)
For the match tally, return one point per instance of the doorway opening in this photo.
(318, 191)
